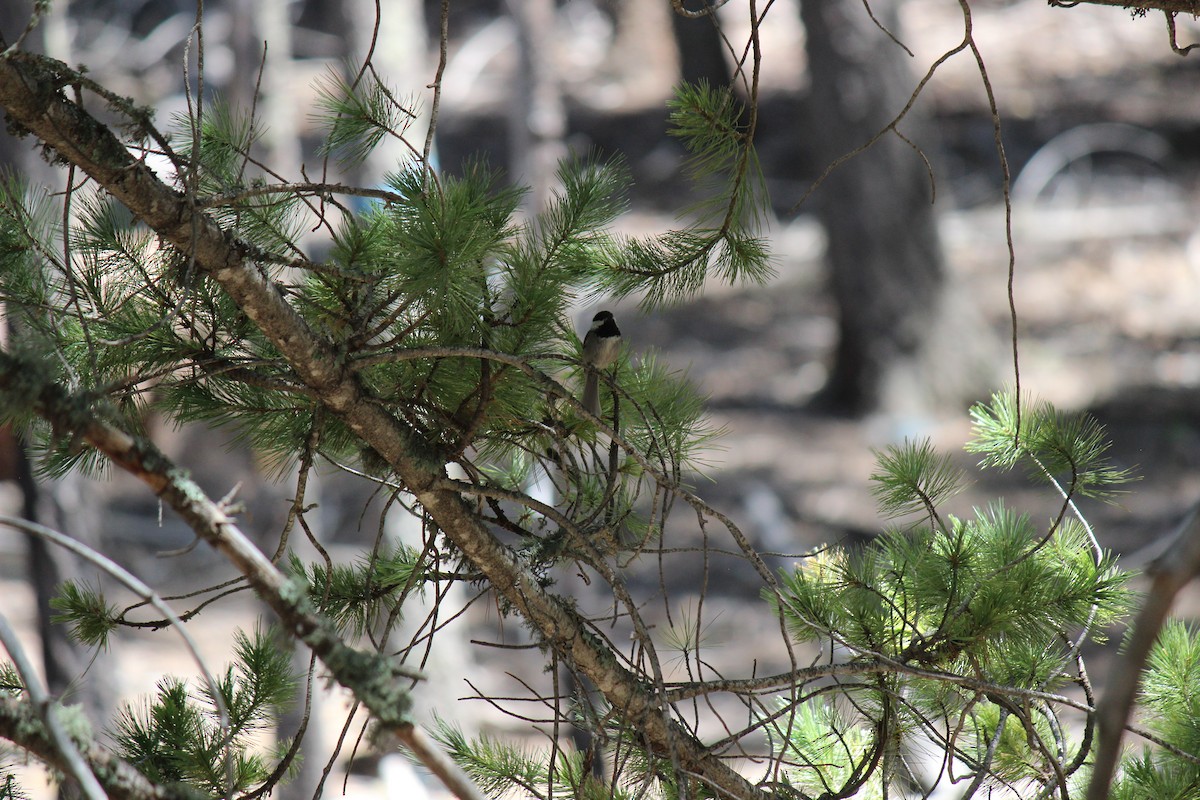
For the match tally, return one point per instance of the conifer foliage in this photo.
(423, 324)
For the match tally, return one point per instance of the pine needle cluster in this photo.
(205, 738)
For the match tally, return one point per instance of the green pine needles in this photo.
(960, 633)
(452, 312)
(181, 736)
(1170, 700)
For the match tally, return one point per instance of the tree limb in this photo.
(1138, 6)
(1169, 573)
(20, 724)
(64, 745)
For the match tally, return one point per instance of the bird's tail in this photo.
(591, 394)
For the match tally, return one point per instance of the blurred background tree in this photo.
(887, 268)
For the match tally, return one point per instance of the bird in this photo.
(600, 348)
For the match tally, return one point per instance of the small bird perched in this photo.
(600, 348)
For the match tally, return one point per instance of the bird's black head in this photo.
(604, 325)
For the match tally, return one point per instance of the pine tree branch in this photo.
(30, 89)
(131, 582)
(883, 666)
(50, 716)
(373, 678)
(1138, 6)
(1169, 573)
(297, 189)
(21, 725)
(1169, 8)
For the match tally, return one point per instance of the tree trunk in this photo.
(884, 256)
(537, 119)
(60, 504)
